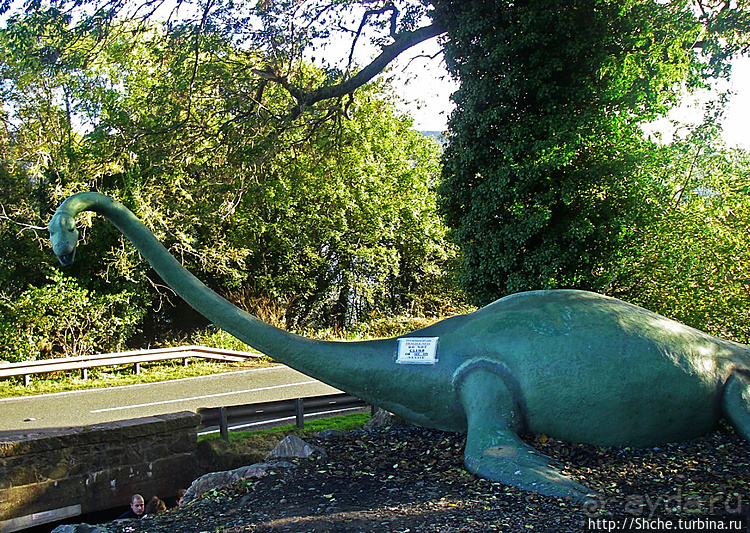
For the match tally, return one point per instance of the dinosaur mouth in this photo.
(66, 259)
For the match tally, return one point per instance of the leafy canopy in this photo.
(545, 171)
(315, 222)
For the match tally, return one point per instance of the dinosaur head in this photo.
(64, 236)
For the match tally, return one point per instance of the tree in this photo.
(202, 150)
(574, 179)
(543, 168)
(349, 220)
(690, 262)
(285, 32)
(548, 177)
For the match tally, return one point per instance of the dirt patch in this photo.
(407, 479)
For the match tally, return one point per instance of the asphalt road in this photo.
(79, 408)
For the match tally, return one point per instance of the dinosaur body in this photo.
(570, 364)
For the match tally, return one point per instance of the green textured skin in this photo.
(571, 364)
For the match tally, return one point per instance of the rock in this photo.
(293, 448)
(80, 528)
(330, 434)
(215, 480)
(383, 418)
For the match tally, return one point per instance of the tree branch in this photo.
(403, 42)
(363, 23)
(305, 99)
(4, 216)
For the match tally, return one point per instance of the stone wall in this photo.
(49, 474)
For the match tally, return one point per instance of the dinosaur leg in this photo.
(493, 449)
(736, 403)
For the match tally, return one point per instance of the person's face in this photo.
(137, 506)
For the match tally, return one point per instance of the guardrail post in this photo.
(299, 413)
(84, 374)
(275, 413)
(223, 424)
(26, 380)
(137, 368)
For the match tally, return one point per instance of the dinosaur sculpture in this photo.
(570, 364)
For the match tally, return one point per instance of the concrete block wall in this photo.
(46, 475)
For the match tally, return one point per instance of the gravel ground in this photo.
(408, 479)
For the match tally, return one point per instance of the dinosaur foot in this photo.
(494, 450)
(517, 464)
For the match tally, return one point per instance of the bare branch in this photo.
(24, 227)
(372, 12)
(702, 9)
(421, 56)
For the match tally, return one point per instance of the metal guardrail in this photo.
(135, 357)
(280, 412)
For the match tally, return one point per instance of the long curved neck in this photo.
(335, 363)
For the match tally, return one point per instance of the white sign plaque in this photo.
(417, 351)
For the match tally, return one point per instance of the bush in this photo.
(62, 319)
(214, 337)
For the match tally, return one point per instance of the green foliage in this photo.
(691, 261)
(320, 211)
(63, 319)
(217, 338)
(545, 170)
(315, 222)
(21, 255)
(346, 222)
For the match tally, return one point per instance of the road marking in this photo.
(136, 385)
(125, 407)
